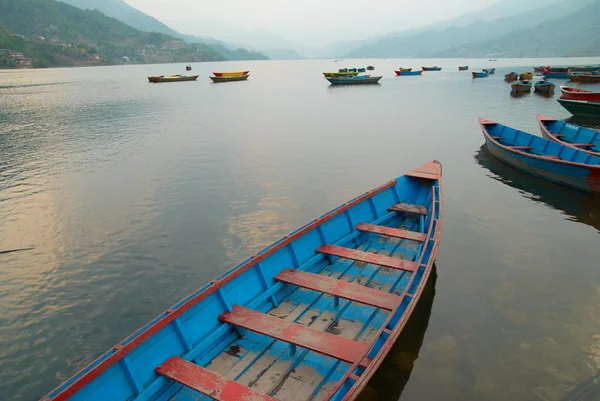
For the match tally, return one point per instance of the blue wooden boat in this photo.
(436, 68)
(361, 70)
(489, 70)
(480, 74)
(357, 80)
(556, 75)
(584, 139)
(403, 73)
(543, 86)
(352, 70)
(521, 86)
(543, 158)
(312, 315)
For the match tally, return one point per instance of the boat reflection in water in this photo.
(390, 379)
(579, 206)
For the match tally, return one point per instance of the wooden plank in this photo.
(340, 288)
(367, 257)
(208, 383)
(428, 171)
(584, 145)
(324, 343)
(391, 232)
(408, 208)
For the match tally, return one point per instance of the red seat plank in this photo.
(584, 145)
(324, 343)
(340, 288)
(208, 383)
(408, 208)
(367, 257)
(557, 135)
(520, 147)
(391, 232)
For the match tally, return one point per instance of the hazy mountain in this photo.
(433, 41)
(124, 12)
(575, 34)
(282, 54)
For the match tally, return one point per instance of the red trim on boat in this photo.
(341, 348)
(208, 383)
(340, 288)
(391, 232)
(367, 257)
(117, 354)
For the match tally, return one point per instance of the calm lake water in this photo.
(132, 195)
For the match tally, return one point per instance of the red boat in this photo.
(570, 93)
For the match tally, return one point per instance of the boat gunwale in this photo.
(393, 336)
(88, 373)
(548, 135)
(488, 137)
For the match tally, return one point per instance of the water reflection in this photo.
(390, 379)
(577, 205)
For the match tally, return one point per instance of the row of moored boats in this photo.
(217, 77)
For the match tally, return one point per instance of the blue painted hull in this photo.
(581, 138)
(389, 238)
(556, 75)
(358, 80)
(545, 159)
(480, 75)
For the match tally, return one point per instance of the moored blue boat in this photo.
(556, 75)
(480, 74)
(436, 68)
(489, 70)
(361, 70)
(356, 80)
(543, 158)
(314, 313)
(403, 72)
(584, 139)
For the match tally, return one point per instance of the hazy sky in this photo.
(309, 22)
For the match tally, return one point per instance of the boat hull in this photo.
(230, 74)
(585, 77)
(339, 74)
(173, 78)
(526, 76)
(231, 324)
(556, 75)
(569, 93)
(405, 73)
(544, 88)
(465, 68)
(584, 68)
(511, 77)
(480, 74)
(581, 107)
(432, 68)
(354, 81)
(570, 135)
(581, 176)
(235, 78)
(521, 87)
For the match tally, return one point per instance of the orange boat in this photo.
(230, 74)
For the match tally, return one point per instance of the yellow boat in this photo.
(339, 74)
(405, 69)
(526, 76)
(230, 74)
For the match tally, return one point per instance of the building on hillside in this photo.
(41, 38)
(93, 57)
(126, 59)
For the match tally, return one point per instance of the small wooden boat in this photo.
(230, 74)
(551, 69)
(543, 158)
(316, 312)
(493, 59)
(370, 68)
(585, 77)
(584, 68)
(543, 86)
(463, 68)
(339, 74)
(522, 86)
(481, 74)
(555, 75)
(352, 70)
(571, 93)
(361, 70)
(172, 78)
(229, 79)
(584, 139)
(526, 76)
(343, 70)
(405, 69)
(436, 68)
(512, 76)
(489, 71)
(356, 80)
(581, 107)
(404, 73)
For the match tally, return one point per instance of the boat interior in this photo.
(585, 138)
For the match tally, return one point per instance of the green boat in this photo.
(584, 68)
(581, 107)
(229, 79)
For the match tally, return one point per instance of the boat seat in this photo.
(391, 232)
(584, 145)
(340, 348)
(552, 157)
(520, 147)
(557, 135)
(208, 383)
(408, 208)
(367, 257)
(340, 288)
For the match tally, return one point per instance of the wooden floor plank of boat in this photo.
(264, 364)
